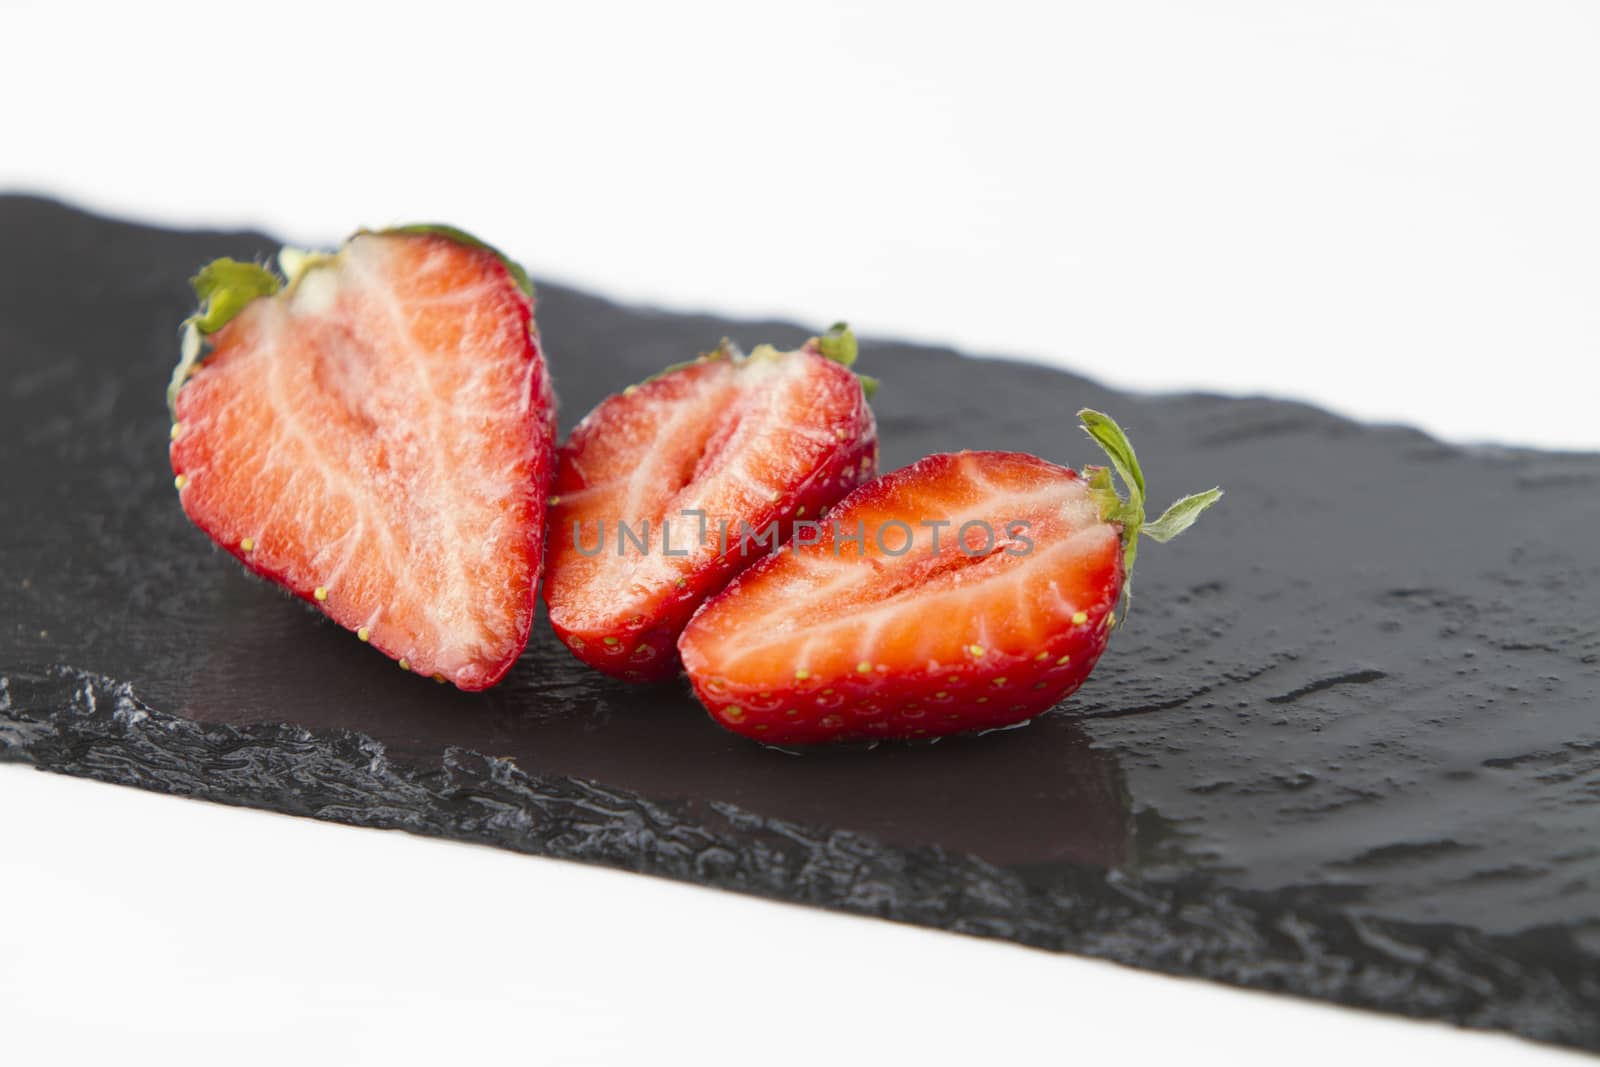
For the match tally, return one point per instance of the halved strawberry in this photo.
(377, 438)
(964, 592)
(668, 489)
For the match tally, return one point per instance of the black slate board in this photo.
(1348, 747)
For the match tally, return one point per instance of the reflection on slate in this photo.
(1348, 746)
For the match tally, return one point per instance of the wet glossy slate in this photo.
(1348, 747)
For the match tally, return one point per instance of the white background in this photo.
(1390, 209)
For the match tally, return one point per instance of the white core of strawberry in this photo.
(458, 496)
(316, 292)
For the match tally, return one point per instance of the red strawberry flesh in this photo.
(853, 639)
(745, 442)
(377, 439)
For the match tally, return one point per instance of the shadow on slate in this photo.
(1348, 747)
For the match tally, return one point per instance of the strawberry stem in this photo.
(1127, 511)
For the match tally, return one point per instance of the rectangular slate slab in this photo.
(1348, 746)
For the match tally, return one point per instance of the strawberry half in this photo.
(668, 489)
(375, 433)
(965, 592)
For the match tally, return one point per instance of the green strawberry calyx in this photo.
(224, 287)
(1127, 509)
(838, 344)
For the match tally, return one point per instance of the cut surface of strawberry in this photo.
(375, 433)
(965, 592)
(666, 490)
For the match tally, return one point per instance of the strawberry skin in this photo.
(765, 440)
(377, 438)
(860, 638)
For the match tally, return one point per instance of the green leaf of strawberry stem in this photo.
(1180, 516)
(1128, 512)
(1110, 437)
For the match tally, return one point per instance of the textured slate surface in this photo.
(1348, 747)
